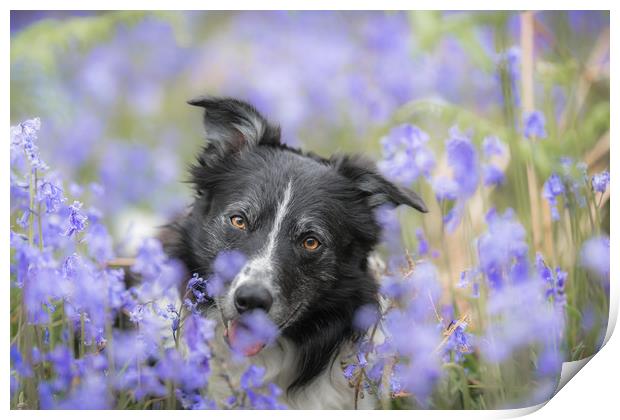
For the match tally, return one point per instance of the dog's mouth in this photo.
(238, 335)
(244, 338)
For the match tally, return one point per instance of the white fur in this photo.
(264, 261)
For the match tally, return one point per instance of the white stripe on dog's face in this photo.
(260, 268)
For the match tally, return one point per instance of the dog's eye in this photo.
(238, 222)
(311, 243)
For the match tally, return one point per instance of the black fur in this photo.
(243, 167)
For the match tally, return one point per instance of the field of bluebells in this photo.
(499, 120)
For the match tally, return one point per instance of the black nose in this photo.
(252, 296)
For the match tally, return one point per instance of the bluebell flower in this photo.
(393, 287)
(460, 342)
(423, 247)
(19, 364)
(492, 175)
(600, 181)
(348, 371)
(463, 159)
(553, 280)
(534, 125)
(268, 401)
(52, 195)
(77, 219)
(254, 329)
(365, 317)
(595, 257)
(549, 361)
(228, 263)
(199, 289)
(405, 155)
(552, 189)
(99, 243)
(492, 146)
(197, 332)
(91, 394)
(150, 259)
(501, 247)
(520, 317)
(252, 377)
(445, 188)
(387, 217)
(214, 287)
(24, 219)
(24, 136)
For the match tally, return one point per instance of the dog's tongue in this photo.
(233, 335)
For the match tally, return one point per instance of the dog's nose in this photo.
(252, 296)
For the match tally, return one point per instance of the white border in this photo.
(593, 394)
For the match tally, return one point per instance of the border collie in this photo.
(307, 227)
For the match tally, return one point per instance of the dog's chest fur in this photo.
(329, 390)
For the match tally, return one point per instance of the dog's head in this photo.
(306, 225)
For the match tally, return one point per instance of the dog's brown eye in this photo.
(311, 243)
(238, 222)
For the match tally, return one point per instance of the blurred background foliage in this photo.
(110, 89)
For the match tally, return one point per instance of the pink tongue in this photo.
(233, 339)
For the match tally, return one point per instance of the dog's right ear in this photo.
(232, 125)
(379, 190)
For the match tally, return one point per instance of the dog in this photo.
(307, 226)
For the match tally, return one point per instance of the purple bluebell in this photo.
(600, 181)
(534, 125)
(99, 243)
(492, 146)
(595, 256)
(501, 247)
(492, 175)
(150, 259)
(423, 247)
(445, 188)
(463, 159)
(77, 219)
(228, 263)
(254, 328)
(520, 317)
(365, 317)
(405, 154)
(552, 189)
(52, 195)
(348, 371)
(24, 135)
(391, 235)
(460, 343)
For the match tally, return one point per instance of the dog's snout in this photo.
(252, 296)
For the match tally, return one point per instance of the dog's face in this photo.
(305, 224)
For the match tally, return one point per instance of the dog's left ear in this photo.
(380, 191)
(232, 125)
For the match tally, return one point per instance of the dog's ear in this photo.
(379, 190)
(232, 125)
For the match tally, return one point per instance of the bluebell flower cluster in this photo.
(72, 298)
(407, 158)
(406, 154)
